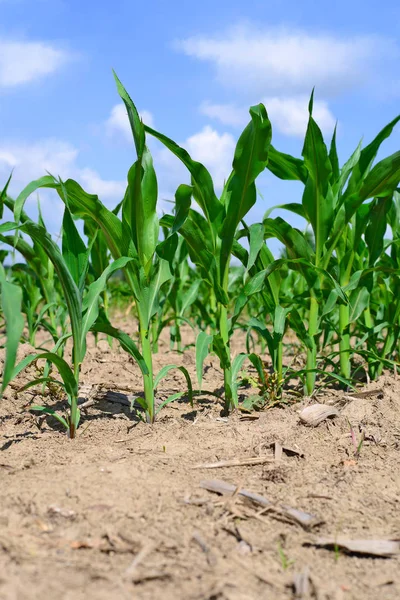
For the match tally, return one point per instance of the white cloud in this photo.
(30, 161)
(227, 114)
(289, 115)
(288, 61)
(118, 122)
(25, 61)
(106, 189)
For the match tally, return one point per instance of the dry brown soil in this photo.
(119, 511)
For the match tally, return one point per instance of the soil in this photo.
(119, 512)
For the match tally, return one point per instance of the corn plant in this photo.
(336, 285)
(179, 296)
(333, 204)
(210, 234)
(71, 267)
(133, 241)
(11, 300)
(40, 278)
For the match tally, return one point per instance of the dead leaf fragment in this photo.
(316, 413)
(61, 512)
(303, 586)
(286, 450)
(381, 548)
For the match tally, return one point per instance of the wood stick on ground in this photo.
(300, 517)
(256, 460)
(139, 558)
(211, 559)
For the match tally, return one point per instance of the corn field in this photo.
(331, 299)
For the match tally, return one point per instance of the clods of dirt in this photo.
(121, 512)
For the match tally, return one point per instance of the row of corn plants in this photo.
(333, 293)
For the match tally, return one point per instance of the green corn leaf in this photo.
(90, 304)
(258, 365)
(102, 325)
(261, 328)
(376, 228)
(347, 168)
(23, 248)
(354, 281)
(8, 226)
(165, 370)
(148, 297)
(42, 313)
(256, 241)
(116, 233)
(294, 241)
(220, 350)
(333, 158)
(65, 371)
(133, 115)
(170, 399)
(280, 321)
(195, 232)
(358, 301)
(362, 217)
(47, 181)
(99, 253)
(251, 155)
(366, 158)
(190, 296)
(74, 250)
(3, 195)
(41, 380)
(328, 374)
(203, 342)
(296, 323)
(264, 259)
(285, 166)
(255, 285)
(167, 249)
(383, 179)
(203, 188)
(239, 252)
(82, 204)
(317, 197)
(139, 210)
(183, 199)
(293, 207)
(240, 302)
(237, 364)
(71, 292)
(49, 411)
(330, 303)
(11, 300)
(22, 365)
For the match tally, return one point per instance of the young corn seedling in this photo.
(11, 301)
(38, 274)
(133, 241)
(71, 267)
(210, 234)
(179, 296)
(268, 385)
(333, 204)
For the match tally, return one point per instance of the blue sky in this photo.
(192, 69)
